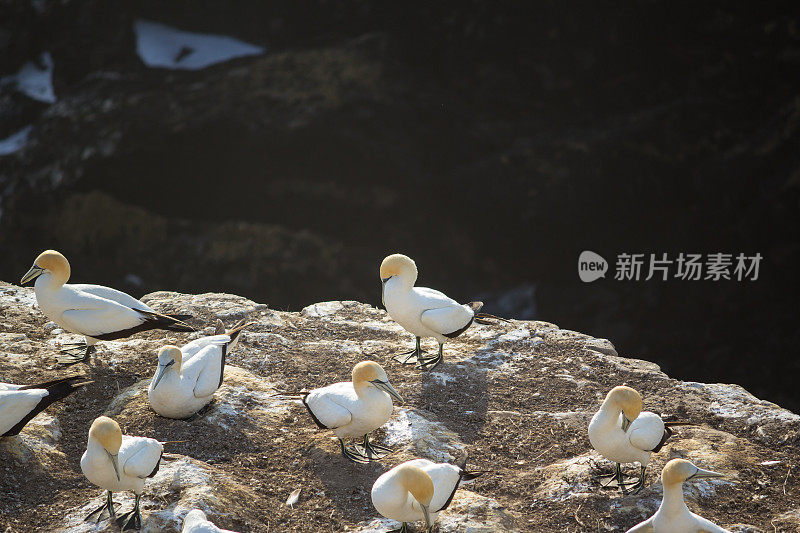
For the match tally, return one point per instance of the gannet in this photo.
(418, 490)
(623, 433)
(96, 312)
(20, 403)
(672, 514)
(187, 378)
(354, 409)
(116, 462)
(195, 521)
(421, 311)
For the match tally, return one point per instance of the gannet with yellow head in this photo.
(418, 490)
(187, 378)
(672, 514)
(20, 403)
(96, 312)
(116, 462)
(623, 433)
(355, 408)
(421, 311)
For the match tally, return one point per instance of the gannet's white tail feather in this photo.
(644, 527)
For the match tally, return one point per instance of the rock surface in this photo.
(515, 397)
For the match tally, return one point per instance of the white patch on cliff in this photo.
(15, 141)
(159, 45)
(34, 80)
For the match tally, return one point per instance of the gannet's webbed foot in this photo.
(429, 363)
(373, 451)
(617, 479)
(409, 358)
(104, 511)
(131, 520)
(352, 453)
(403, 529)
(639, 484)
(78, 352)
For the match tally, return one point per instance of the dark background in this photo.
(490, 141)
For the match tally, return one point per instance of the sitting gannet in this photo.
(115, 462)
(623, 433)
(673, 515)
(418, 490)
(20, 403)
(195, 521)
(187, 378)
(421, 311)
(354, 409)
(96, 312)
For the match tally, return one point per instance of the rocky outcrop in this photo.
(515, 397)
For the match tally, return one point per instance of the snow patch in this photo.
(162, 46)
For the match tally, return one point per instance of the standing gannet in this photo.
(418, 490)
(116, 462)
(673, 515)
(96, 312)
(20, 403)
(623, 433)
(354, 409)
(195, 521)
(187, 378)
(421, 311)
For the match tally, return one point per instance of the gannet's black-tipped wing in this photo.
(149, 320)
(30, 400)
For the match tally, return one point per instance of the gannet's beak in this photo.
(703, 474)
(386, 387)
(162, 371)
(625, 423)
(115, 462)
(427, 517)
(384, 280)
(383, 289)
(31, 274)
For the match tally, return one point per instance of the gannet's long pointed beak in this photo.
(162, 370)
(625, 423)
(704, 474)
(427, 516)
(31, 274)
(386, 387)
(115, 463)
(383, 289)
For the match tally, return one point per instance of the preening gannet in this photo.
(116, 462)
(96, 312)
(20, 403)
(187, 378)
(673, 515)
(195, 521)
(623, 433)
(354, 409)
(418, 490)
(421, 311)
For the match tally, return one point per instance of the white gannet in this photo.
(421, 311)
(418, 490)
(116, 462)
(195, 521)
(623, 433)
(20, 403)
(187, 378)
(672, 514)
(354, 409)
(96, 312)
